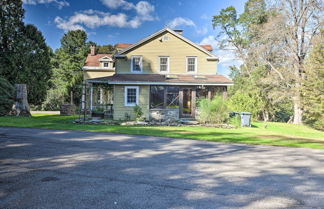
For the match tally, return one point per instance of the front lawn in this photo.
(278, 134)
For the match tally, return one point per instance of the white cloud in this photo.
(202, 30)
(93, 19)
(143, 9)
(60, 3)
(180, 21)
(226, 56)
(114, 4)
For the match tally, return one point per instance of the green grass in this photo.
(277, 134)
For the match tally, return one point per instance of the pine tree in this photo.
(313, 91)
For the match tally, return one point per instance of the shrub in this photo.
(214, 111)
(138, 112)
(7, 92)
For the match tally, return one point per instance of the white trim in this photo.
(166, 83)
(97, 68)
(168, 64)
(196, 65)
(141, 64)
(212, 59)
(172, 32)
(105, 59)
(125, 96)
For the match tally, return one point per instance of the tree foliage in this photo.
(313, 90)
(105, 49)
(67, 64)
(24, 55)
(272, 43)
(6, 96)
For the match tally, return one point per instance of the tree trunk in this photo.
(298, 112)
(21, 106)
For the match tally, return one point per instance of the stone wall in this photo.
(67, 109)
(164, 114)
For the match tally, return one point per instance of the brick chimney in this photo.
(93, 50)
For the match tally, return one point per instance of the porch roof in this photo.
(160, 79)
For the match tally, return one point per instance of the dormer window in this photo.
(136, 64)
(106, 64)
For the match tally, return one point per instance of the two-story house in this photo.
(165, 74)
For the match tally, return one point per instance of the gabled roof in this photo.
(172, 32)
(94, 60)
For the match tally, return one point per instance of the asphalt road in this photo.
(74, 169)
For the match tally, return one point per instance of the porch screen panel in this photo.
(157, 97)
(164, 97)
(172, 97)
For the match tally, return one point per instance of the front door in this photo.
(186, 102)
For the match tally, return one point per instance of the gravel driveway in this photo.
(74, 169)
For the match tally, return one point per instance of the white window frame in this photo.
(125, 96)
(141, 64)
(196, 64)
(105, 63)
(168, 64)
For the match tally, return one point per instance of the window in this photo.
(191, 64)
(136, 64)
(164, 97)
(131, 95)
(106, 64)
(164, 64)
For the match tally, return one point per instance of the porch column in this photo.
(180, 102)
(91, 95)
(225, 92)
(193, 103)
(101, 95)
(209, 94)
(83, 95)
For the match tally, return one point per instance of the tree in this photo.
(7, 92)
(105, 49)
(313, 88)
(241, 35)
(67, 64)
(24, 55)
(276, 39)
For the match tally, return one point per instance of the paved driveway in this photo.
(72, 169)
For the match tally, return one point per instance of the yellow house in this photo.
(164, 74)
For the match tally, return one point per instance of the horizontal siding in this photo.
(175, 48)
(96, 74)
(120, 109)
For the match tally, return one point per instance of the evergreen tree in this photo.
(67, 64)
(313, 91)
(6, 96)
(24, 55)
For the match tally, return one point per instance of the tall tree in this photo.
(278, 39)
(313, 88)
(24, 55)
(67, 63)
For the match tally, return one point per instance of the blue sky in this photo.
(128, 21)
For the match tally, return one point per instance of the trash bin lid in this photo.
(246, 113)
